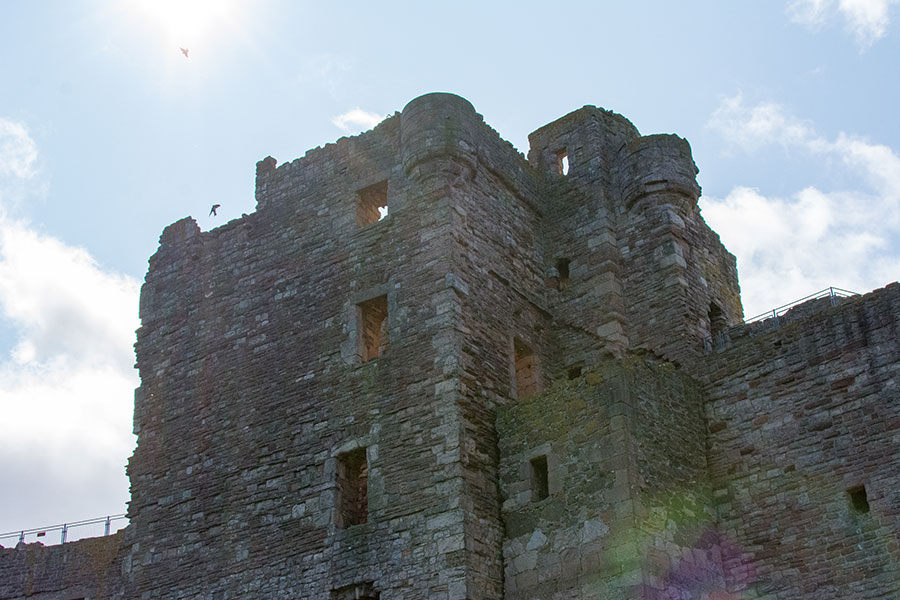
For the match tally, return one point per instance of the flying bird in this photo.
(184, 51)
(212, 211)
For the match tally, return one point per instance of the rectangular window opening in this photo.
(562, 268)
(353, 488)
(372, 315)
(717, 321)
(859, 500)
(540, 487)
(372, 205)
(528, 375)
(562, 161)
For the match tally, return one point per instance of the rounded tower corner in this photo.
(438, 124)
(658, 165)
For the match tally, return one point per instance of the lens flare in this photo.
(187, 23)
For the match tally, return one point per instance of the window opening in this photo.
(527, 370)
(562, 161)
(859, 500)
(356, 591)
(372, 316)
(562, 267)
(353, 488)
(372, 205)
(540, 487)
(717, 321)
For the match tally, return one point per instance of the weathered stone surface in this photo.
(528, 380)
(628, 489)
(803, 414)
(88, 568)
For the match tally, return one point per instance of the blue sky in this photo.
(108, 133)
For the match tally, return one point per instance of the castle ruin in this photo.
(426, 367)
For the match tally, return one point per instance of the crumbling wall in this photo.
(804, 431)
(87, 568)
(254, 390)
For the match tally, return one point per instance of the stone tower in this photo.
(426, 367)
(311, 353)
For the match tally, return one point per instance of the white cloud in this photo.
(18, 152)
(356, 120)
(751, 127)
(790, 247)
(866, 20)
(811, 13)
(67, 381)
(62, 301)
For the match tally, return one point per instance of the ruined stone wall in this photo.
(87, 568)
(574, 543)
(675, 530)
(802, 419)
(579, 227)
(253, 390)
(494, 284)
(644, 268)
(627, 512)
(320, 390)
(674, 266)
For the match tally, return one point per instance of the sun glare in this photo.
(188, 23)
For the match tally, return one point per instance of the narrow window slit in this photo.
(372, 315)
(562, 161)
(527, 370)
(859, 500)
(540, 488)
(353, 488)
(562, 267)
(717, 322)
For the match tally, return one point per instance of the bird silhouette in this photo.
(184, 51)
(212, 211)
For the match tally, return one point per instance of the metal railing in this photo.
(64, 528)
(830, 292)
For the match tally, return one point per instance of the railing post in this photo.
(62, 537)
(22, 537)
(106, 527)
